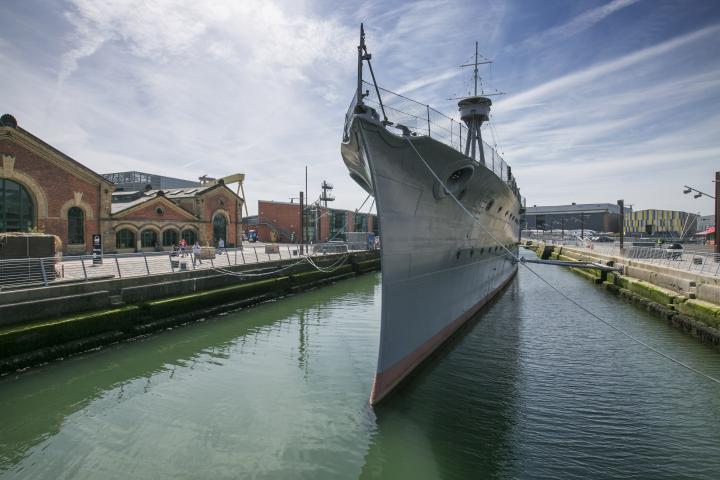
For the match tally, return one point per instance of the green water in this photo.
(532, 389)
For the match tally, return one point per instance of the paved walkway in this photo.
(138, 264)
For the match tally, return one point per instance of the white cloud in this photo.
(575, 25)
(184, 88)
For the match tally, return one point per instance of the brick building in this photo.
(144, 220)
(45, 190)
(280, 222)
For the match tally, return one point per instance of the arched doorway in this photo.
(170, 237)
(189, 235)
(148, 238)
(219, 228)
(125, 239)
(76, 226)
(17, 211)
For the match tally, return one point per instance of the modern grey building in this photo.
(139, 181)
(600, 217)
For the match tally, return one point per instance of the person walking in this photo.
(183, 247)
(196, 253)
(221, 246)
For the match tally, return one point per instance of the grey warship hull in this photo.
(439, 265)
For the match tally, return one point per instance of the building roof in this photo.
(12, 130)
(185, 192)
(124, 200)
(573, 209)
(128, 202)
(137, 180)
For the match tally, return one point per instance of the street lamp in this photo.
(717, 207)
(698, 194)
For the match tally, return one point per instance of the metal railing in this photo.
(704, 262)
(422, 119)
(47, 271)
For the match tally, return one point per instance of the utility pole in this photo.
(717, 212)
(302, 218)
(582, 225)
(621, 204)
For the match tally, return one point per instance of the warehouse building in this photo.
(44, 190)
(600, 217)
(280, 222)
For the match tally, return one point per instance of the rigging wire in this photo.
(560, 292)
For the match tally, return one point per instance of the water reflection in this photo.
(530, 389)
(215, 377)
(455, 418)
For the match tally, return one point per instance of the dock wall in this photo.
(104, 312)
(689, 300)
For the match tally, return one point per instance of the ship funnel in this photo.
(474, 111)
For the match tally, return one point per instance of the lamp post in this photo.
(699, 194)
(621, 204)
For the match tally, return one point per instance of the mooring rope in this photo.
(560, 292)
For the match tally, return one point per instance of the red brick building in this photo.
(280, 222)
(45, 190)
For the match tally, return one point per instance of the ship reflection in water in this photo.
(529, 389)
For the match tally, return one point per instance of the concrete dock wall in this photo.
(146, 307)
(26, 305)
(689, 300)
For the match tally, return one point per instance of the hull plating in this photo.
(439, 266)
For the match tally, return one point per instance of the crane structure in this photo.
(238, 178)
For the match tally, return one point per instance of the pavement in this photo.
(149, 263)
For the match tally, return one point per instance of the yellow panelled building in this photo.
(661, 222)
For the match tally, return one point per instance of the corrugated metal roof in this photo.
(579, 208)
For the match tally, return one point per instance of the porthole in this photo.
(500, 209)
(490, 204)
(160, 211)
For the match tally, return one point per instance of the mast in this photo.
(476, 65)
(474, 111)
(361, 47)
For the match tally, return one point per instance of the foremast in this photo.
(474, 111)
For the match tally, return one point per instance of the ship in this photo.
(449, 213)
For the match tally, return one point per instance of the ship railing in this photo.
(422, 119)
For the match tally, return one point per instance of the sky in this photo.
(603, 99)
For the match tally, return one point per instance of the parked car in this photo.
(674, 251)
(602, 238)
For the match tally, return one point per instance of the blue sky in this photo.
(605, 99)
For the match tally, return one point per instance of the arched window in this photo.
(125, 239)
(219, 228)
(76, 226)
(16, 207)
(148, 238)
(170, 237)
(189, 235)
